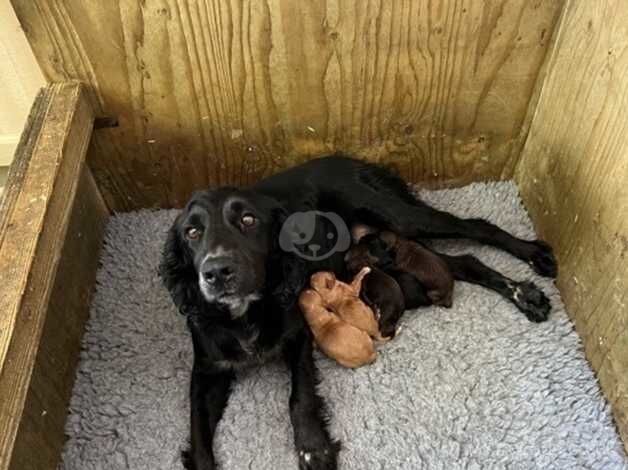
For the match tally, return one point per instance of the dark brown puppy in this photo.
(414, 293)
(381, 256)
(429, 268)
(379, 290)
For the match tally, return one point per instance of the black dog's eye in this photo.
(248, 220)
(193, 233)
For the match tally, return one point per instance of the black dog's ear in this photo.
(279, 216)
(178, 274)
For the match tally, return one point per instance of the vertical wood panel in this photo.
(212, 92)
(573, 176)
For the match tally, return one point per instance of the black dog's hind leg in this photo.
(315, 448)
(525, 295)
(209, 393)
(387, 202)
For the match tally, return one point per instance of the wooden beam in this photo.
(45, 411)
(34, 219)
(573, 176)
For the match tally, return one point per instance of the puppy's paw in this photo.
(388, 332)
(381, 339)
(377, 312)
(542, 259)
(322, 458)
(531, 300)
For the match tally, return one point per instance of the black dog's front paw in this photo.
(531, 300)
(322, 458)
(542, 259)
(189, 463)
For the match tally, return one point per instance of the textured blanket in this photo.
(474, 386)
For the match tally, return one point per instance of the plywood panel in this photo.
(573, 176)
(212, 92)
(34, 217)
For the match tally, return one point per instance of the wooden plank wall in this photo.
(45, 288)
(573, 176)
(211, 92)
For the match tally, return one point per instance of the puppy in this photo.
(339, 340)
(429, 268)
(414, 294)
(382, 257)
(379, 290)
(343, 299)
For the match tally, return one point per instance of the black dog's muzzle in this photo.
(219, 275)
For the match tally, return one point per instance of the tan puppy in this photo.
(339, 340)
(344, 300)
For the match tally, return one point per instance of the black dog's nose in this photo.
(218, 271)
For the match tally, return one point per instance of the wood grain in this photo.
(45, 410)
(573, 176)
(33, 228)
(211, 92)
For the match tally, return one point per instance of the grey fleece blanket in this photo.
(474, 386)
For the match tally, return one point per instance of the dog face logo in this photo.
(314, 235)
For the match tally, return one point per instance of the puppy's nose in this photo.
(218, 271)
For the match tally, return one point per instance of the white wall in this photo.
(20, 79)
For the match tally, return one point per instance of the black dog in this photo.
(226, 271)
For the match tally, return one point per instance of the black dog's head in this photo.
(216, 251)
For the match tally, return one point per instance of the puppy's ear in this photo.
(177, 272)
(389, 238)
(360, 230)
